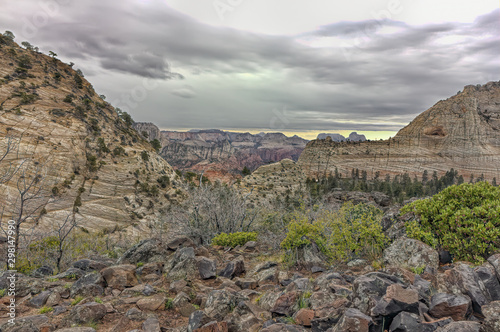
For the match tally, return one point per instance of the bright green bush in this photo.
(352, 231)
(234, 239)
(463, 219)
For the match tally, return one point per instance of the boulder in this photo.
(36, 323)
(457, 307)
(405, 322)
(495, 262)
(134, 314)
(71, 273)
(353, 320)
(89, 265)
(42, 272)
(151, 268)
(39, 300)
(368, 289)
(196, 320)
(286, 304)
(207, 268)
(491, 314)
(220, 303)
(396, 300)
(246, 283)
(461, 327)
(470, 284)
(151, 325)
(120, 276)
(77, 329)
(213, 327)
(151, 250)
(151, 303)
(324, 323)
(303, 317)
(180, 242)
(411, 253)
(89, 285)
(88, 312)
(281, 327)
(487, 275)
(182, 265)
(234, 268)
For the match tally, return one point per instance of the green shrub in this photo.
(98, 300)
(118, 151)
(156, 144)
(45, 310)
(463, 219)
(352, 231)
(164, 181)
(2, 292)
(234, 239)
(169, 304)
(77, 300)
(69, 98)
(145, 156)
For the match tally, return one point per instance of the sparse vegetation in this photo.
(45, 310)
(76, 300)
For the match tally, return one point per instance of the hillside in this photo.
(220, 153)
(89, 160)
(461, 132)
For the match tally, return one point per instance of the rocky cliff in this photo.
(219, 152)
(461, 132)
(92, 164)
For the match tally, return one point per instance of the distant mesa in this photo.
(353, 137)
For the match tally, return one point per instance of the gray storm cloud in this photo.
(237, 78)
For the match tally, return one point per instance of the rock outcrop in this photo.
(92, 163)
(353, 137)
(462, 132)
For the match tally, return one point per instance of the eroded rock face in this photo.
(90, 153)
(462, 132)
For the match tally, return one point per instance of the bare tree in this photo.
(211, 209)
(8, 168)
(62, 232)
(32, 195)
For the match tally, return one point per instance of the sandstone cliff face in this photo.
(462, 132)
(220, 153)
(93, 164)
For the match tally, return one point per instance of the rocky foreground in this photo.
(178, 286)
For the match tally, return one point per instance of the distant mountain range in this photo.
(222, 154)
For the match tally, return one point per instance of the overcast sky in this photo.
(297, 66)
